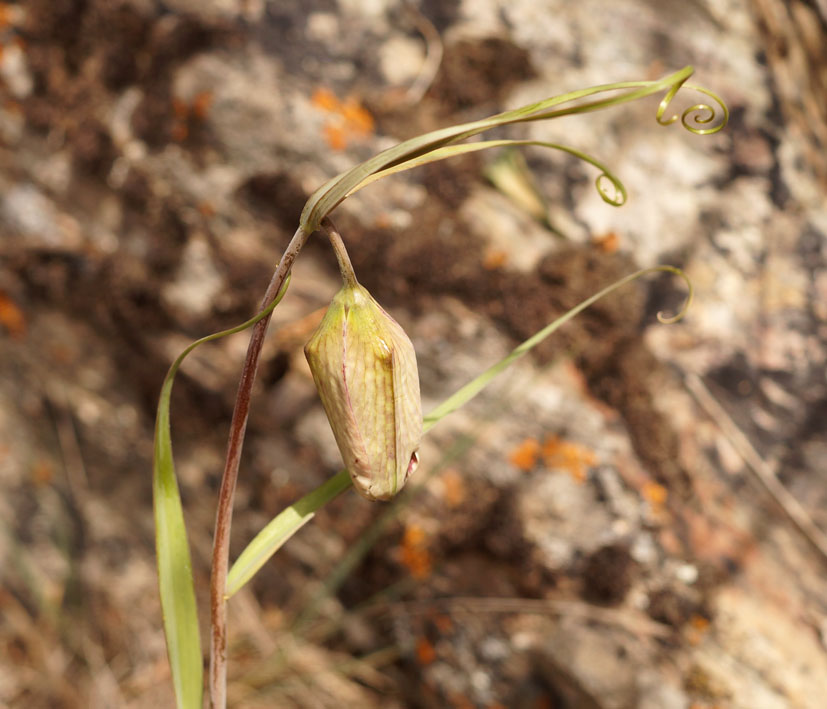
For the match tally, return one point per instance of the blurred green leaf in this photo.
(510, 174)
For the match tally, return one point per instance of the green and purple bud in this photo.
(364, 367)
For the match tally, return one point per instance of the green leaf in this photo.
(289, 521)
(474, 387)
(175, 568)
(270, 539)
(329, 195)
(616, 200)
(175, 579)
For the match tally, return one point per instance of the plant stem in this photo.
(345, 266)
(224, 513)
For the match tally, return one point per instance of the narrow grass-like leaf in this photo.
(290, 520)
(329, 195)
(474, 387)
(450, 151)
(270, 539)
(174, 562)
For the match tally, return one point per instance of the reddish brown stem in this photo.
(224, 514)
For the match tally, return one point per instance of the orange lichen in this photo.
(425, 653)
(443, 623)
(325, 99)
(12, 16)
(608, 243)
(11, 317)
(347, 119)
(334, 135)
(699, 623)
(453, 488)
(655, 494)
(42, 473)
(698, 626)
(494, 259)
(573, 458)
(414, 552)
(525, 455)
(357, 117)
(200, 106)
(186, 114)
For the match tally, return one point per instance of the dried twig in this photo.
(433, 56)
(628, 619)
(762, 471)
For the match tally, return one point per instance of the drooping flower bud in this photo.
(364, 367)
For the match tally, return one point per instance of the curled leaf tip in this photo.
(696, 117)
(702, 114)
(669, 320)
(617, 195)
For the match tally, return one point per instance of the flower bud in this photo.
(364, 367)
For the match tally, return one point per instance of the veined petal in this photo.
(364, 367)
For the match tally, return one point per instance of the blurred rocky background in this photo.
(591, 532)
